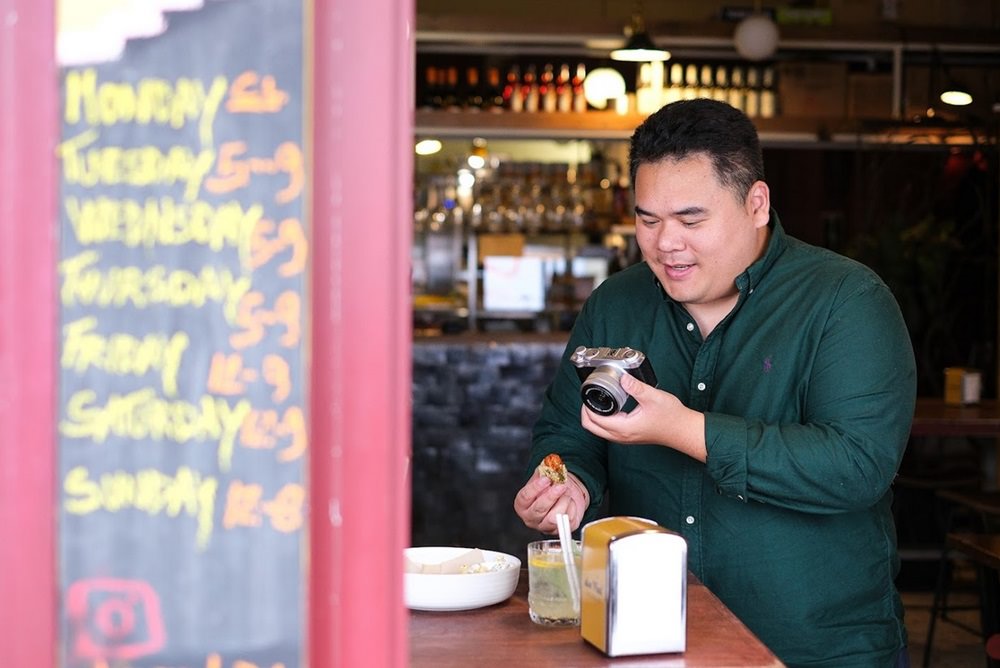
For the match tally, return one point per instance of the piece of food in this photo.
(553, 468)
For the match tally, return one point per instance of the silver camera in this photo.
(601, 370)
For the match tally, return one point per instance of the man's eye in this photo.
(648, 223)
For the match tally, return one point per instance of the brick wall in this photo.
(474, 404)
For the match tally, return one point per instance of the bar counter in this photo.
(503, 636)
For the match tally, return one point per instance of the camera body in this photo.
(601, 370)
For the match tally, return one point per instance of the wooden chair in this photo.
(973, 533)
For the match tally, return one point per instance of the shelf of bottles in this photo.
(552, 88)
(564, 217)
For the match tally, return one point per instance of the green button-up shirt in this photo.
(808, 389)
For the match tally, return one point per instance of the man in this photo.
(785, 390)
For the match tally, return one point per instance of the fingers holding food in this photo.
(553, 468)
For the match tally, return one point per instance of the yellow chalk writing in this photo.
(141, 415)
(163, 221)
(146, 490)
(85, 284)
(135, 166)
(123, 354)
(149, 101)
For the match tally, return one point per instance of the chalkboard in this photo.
(182, 268)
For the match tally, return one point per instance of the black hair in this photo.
(702, 126)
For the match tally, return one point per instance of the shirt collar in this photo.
(776, 245)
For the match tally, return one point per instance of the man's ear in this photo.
(759, 203)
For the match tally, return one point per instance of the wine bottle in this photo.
(579, 99)
(529, 88)
(512, 92)
(493, 99)
(472, 96)
(564, 89)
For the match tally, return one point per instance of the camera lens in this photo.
(599, 401)
(602, 391)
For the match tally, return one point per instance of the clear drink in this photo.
(549, 599)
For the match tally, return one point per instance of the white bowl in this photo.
(464, 591)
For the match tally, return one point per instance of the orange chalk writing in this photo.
(263, 430)
(228, 375)
(252, 93)
(278, 375)
(252, 319)
(225, 375)
(242, 502)
(246, 507)
(288, 157)
(285, 510)
(265, 245)
(233, 169)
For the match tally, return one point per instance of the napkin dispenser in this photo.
(634, 587)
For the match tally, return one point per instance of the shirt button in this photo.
(689, 519)
(701, 387)
(690, 327)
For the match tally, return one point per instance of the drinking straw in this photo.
(566, 543)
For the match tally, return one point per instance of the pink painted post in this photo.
(361, 331)
(28, 135)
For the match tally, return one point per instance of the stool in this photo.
(984, 550)
(982, 514)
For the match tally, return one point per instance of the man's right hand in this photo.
(540, 500)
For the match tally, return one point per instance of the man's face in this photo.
(695, 235)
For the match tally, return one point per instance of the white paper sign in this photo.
(513, 283)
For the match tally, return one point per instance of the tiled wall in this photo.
(474, 403)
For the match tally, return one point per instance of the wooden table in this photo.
(504, 636)
(933, 417)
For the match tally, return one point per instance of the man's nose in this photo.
(669, 238)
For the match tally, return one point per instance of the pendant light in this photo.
(956, 94)
(756, 36)
(639, 47)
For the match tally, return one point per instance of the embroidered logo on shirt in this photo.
(767, 364)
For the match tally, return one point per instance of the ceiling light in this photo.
(640, 46)
(756, 37)
(427, 146)
(956, 95)
(603, 84)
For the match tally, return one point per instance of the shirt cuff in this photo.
(726, 443)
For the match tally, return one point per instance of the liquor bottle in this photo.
(547, 88)
(752, 100)
(736, 92)
(579, 99)
(493, 99)
(564, 89)
(768, 96)
(705, 82)
(451, 92)
(512, 93)
(529, 88)
(472, 95)
(720, 91)
(431, 97)
(690, 82)
(675, 91)
(644, 102)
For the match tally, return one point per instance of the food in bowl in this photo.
(457, 578)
